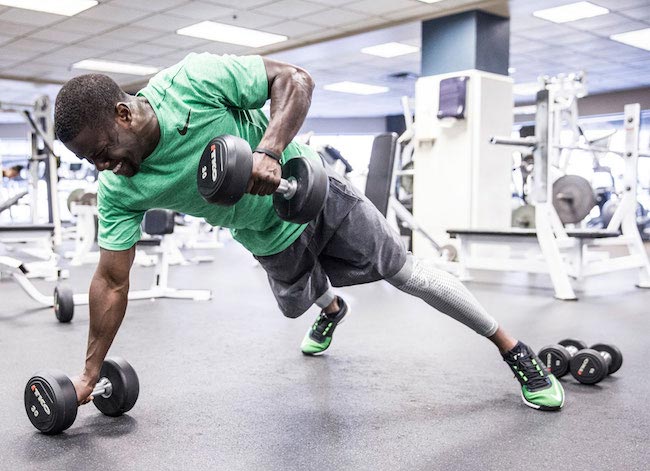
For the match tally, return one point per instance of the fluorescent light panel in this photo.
(117, 67)
(571, 12)
(231, 34)
(356, 88)
(639, 38)
(57, 7)
(391, 49)
(430, 1)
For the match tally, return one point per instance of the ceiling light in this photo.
(356, 88)
(392, 49)
(117, 67)
(231, 34)
(526, 89)
(571, 12)
(430, 1)
(60, 7)
(639, 38)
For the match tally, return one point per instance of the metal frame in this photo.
(563, 257)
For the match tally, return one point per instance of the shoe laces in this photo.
(526, 363)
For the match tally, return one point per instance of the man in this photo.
(147, 148)
(12, 172)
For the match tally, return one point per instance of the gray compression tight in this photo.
(443, 292)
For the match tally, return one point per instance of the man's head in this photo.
(93, 118)
(12, 172)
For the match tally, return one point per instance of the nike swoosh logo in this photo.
(183, 131)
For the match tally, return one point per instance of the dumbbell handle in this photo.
(103, 388)
(287, 188)
(573, 350)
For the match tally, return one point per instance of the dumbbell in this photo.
(592, 365)
(63, 304)
(51, 399)
(225, 168)
(557, 357)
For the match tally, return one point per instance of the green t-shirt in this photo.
(214, 95)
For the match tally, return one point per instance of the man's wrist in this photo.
(269, 152)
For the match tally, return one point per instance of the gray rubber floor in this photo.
(224, 385)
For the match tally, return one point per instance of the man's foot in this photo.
(539, 389)
(319, 336)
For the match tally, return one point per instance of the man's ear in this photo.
(123, 113)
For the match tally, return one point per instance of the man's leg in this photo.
(447, 294)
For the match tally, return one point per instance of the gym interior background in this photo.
(506, 140)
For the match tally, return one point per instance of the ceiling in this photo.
(325, 37)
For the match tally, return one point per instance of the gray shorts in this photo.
(349, 243)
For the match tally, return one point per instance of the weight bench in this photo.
(518, 249)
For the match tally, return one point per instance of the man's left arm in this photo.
(290, 90)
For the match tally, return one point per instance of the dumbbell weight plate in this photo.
(578, 344)
(556, 359)
(310, 195)
(50, 402)
(63, 304)
(614, 352)
(126, 387)
(588, 366)
(74, 197)
(225, 167)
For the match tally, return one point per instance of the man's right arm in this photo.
(108, 297)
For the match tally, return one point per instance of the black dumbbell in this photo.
(592, 365)
(557, 357)
(225, 168)
(51, 399)
(63, 304)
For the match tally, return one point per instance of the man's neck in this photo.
(149, 126)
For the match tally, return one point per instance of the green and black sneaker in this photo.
(539, 388)
(319, 336)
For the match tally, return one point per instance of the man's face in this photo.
(114, 147)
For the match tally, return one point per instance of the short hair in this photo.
(17, 168)
(85, 101)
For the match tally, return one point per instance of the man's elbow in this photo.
(301, 76)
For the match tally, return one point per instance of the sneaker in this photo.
(319, 336)
(539, 389)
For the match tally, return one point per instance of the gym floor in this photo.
(223, 384)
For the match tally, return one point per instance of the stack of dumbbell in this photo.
(587, 365)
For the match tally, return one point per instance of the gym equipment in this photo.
(51, 399)
(225, 168)
(592, 365)
(63, 304)
(524, 216)
(557, 357)
(573, 198)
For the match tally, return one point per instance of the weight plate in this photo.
(63, 304)
(556, 359)
(578, 344)
(614, 352)
(74, 197)
(126, 387)
(523, 216)
(88, 199)
(311, 192)
(225, 167)
(449, 252)
(573, 198)
(588, 366)
(50, 402)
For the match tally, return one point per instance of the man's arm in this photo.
(290, 90)
(108, 298)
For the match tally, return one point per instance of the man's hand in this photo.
(265, 176)
(84, 386)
